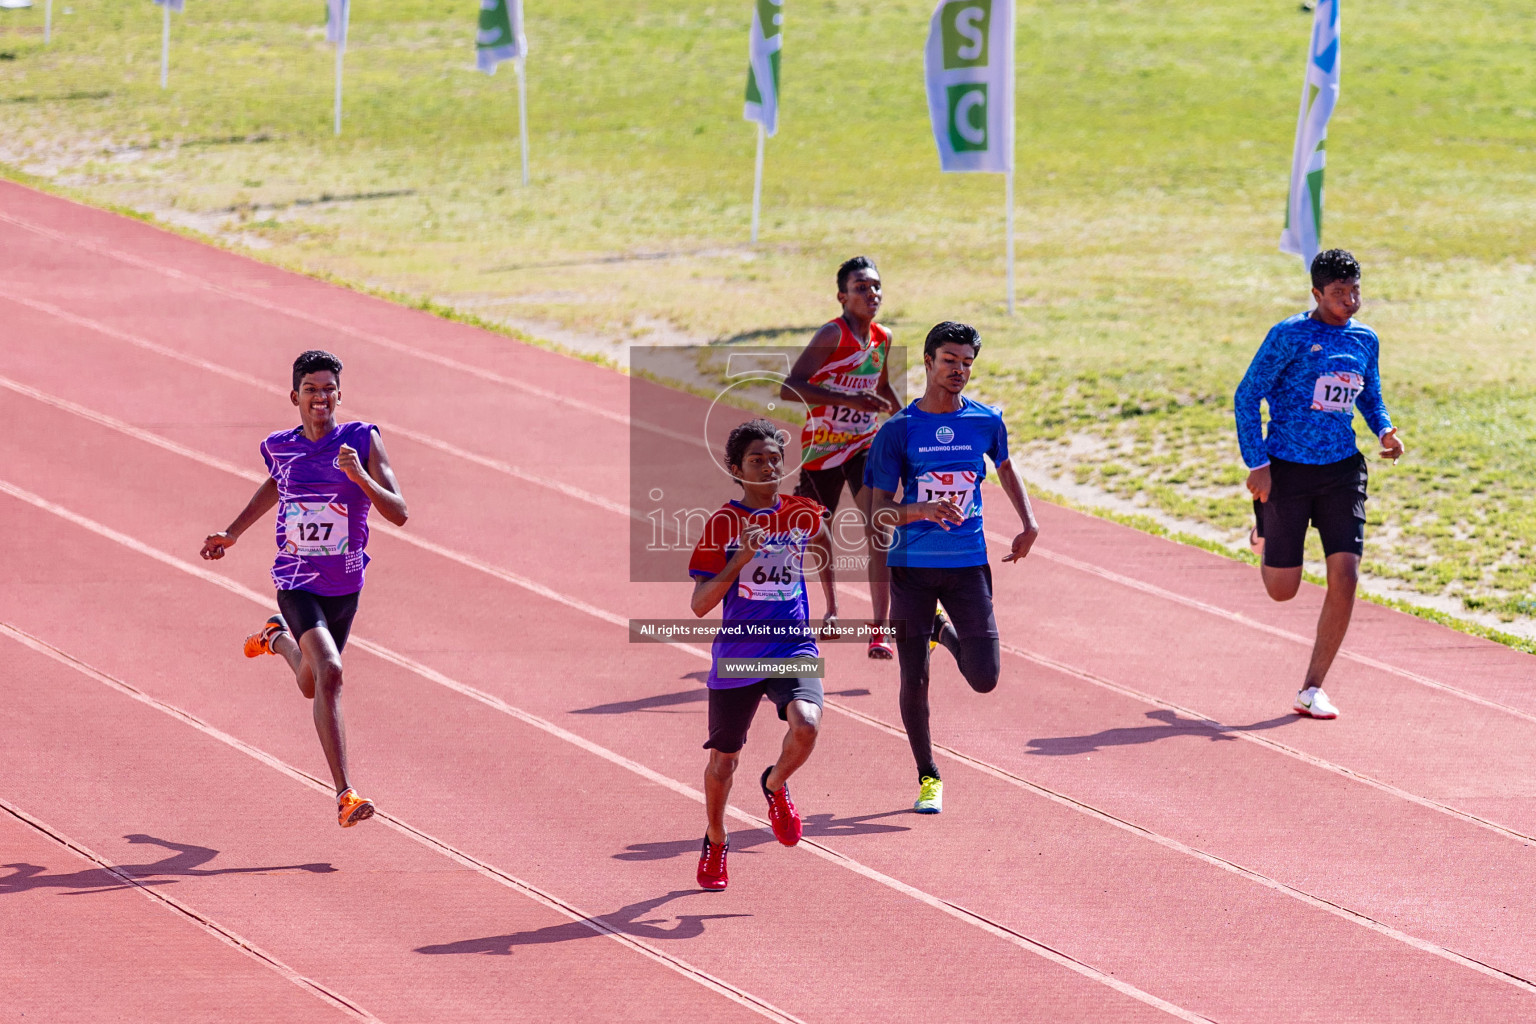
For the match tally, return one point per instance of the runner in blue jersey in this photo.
(1314, 370)
(934, 451)
(752, 557)
(324, 476)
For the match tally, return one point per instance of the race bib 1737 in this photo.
(1337, 391)
(314, 528)
(957, 485)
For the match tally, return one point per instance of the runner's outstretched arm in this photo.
(377, 481)
(888, 514)
(885, 391)
(708, 592)
(1008, 479)
(260, 504)
(798, 386)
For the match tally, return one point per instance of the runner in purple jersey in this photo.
(324, 477)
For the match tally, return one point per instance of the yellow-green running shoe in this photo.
(930, 798)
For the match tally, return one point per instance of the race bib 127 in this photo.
(1336, 392)
(314, 528)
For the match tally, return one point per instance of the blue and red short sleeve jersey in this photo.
(771, 587)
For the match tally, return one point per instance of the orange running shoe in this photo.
(260, 643)
(352, 808)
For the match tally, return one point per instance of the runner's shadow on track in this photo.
(633, 920)
(1170, 725)
(816, 826)
(669, 700)
(185, 862)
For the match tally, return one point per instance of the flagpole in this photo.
(522, 112)
(757, 184)
(165, 45)
(340, 49)
(1013, 95)
(1009, 178)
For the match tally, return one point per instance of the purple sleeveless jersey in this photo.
(322, 517)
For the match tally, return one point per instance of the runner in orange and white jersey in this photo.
(843, 378)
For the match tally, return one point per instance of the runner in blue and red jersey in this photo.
(752, 557)
(1313, 371)
(324, 476)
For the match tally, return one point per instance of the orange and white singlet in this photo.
(834, 434)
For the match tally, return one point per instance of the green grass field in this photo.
(1154, 145)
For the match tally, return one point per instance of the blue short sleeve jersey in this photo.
(1313, 375)
(928, 456)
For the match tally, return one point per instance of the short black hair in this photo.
(851, 267)
(744, 435)
(314, 361)
(1333, 265)
(951, 333)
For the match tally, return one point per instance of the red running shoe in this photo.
(712, 874)
(781, 812)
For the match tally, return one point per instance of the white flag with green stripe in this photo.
(1319, 95)
(968, 63)
(763, 48)
(500, 36)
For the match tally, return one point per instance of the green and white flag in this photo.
(763, 47)
(1319, 95)
(969, 67)
(501, 34)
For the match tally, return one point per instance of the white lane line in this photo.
(1317, 902)
(621, 509)
(1262, 627)
(272, 389)
(613, 618)
(597, 924)
(354, 332)
(207, 924)
(954, 910)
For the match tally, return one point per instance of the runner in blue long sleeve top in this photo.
(1313, 371)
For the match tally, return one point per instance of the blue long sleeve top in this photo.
(1313, 375)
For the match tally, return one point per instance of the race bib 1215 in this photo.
(1337, 391)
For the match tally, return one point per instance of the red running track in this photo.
(1136, 827)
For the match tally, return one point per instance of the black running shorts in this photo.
(825, 486)
(965, 593)
(1331, 497)
(304, 611)
(731, 710)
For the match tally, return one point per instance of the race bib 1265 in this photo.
(314, 528)
(1337, 391)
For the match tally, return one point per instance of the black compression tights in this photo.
(980, 662)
